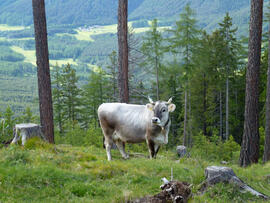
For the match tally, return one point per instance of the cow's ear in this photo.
(150, 106)
(171, 107)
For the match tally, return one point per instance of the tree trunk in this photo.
(185, 121)
(227, 108)
(220, 116)
(204, 105)
(43, 70)
(189, 121)
(157, 80)
(250, 141)
(266, 154)
(122, 33)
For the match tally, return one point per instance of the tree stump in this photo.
(26, 131)
(217, 174)
(181, 150)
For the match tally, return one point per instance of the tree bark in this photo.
(43, 70)
(266, 154)
(250, 141)
(204, 105)
(189, 121)
(185, 120)
(122, 33)
(220, 116)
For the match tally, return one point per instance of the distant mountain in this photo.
(19, 12)
(89, 12)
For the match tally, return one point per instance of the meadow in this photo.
(40, 172)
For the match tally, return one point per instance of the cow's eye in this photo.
(163, 110)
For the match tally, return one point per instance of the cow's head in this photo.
(161, 111)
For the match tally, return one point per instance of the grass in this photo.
(4, 27)
(64, 173)
(61, 62)
(30, 56)
(86, 35)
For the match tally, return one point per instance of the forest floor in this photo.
(40, 172)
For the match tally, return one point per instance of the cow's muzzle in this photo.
(155, 120)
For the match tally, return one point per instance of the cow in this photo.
(130, 123)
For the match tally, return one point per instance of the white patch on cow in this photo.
(162, 137)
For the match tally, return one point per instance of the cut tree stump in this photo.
(26, 131)
(172, 191)
(217, 174)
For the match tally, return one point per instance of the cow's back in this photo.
(127, 120)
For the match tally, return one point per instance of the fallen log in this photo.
(217, 174)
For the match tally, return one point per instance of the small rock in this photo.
(181, 150)
(224, 162)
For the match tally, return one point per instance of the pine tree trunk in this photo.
(43, 70)
(157, 80)
(122, 32)
(227, 108)
(185, 121)
(204, 105)
(250, 141)
(266, 154)
(220, 116)
(189, 121)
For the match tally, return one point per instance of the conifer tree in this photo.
(266, 154)
(113, 72)
(250, 143)
(71, 92)
(8, 115)
(183, 43)
(57, 91)
(153, 52)
(94, 93)
(43, 70)
(28, 116)
(229, 58)
(122, 33)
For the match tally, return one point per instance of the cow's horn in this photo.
(150, 100)
(169, 101)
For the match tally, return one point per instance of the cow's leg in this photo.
(156, 150)
(151, 148)
(121, 146)
(108, 145)
(108, 135)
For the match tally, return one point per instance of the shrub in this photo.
(213, 148)
(15, 155)
(81, 137)
(38, 143)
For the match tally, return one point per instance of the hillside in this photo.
(63, 173)
(83, 33)
(89, 12)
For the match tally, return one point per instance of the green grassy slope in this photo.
(62, 173)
